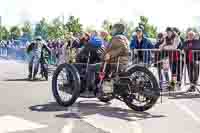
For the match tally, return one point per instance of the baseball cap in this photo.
(38, 38)
(139, 29)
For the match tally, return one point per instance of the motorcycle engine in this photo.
(121, 86)
(107, 87)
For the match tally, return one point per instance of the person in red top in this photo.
(189, 46)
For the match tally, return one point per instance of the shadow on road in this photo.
(50, 107)
(82, 109)
(185, 96)
(25, 79)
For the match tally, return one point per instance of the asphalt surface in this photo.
(29, 107)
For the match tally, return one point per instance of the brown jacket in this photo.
(118, 49)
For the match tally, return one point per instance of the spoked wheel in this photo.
(66, 84)
(143, 89)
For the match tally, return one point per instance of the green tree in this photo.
(41, 29)
(107, 25)
(27, 30)
(4, 33)
(56, 30)
(15, 32)
(73, 25)
(130, 29)
(151, 30)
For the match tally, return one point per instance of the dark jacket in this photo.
(188, 47)
(82, 57)
(145, 44)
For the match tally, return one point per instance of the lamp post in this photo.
(0, 27)
(63, 23)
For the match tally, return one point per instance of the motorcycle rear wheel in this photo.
(153, 93)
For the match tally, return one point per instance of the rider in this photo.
(87, 59)
(38, 51)
(90, 45)
(118, 50)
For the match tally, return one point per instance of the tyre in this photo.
(71, 85)
(150, 92)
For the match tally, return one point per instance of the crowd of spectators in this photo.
(170, 39)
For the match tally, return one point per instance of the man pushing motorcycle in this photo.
(39, 53)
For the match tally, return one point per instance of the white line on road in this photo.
(68, 128)
(108, 120)
(15, 124)
(187, 111)
(113, 125)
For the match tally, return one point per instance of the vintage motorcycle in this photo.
(135, 85)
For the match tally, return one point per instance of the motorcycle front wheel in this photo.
(67, 89)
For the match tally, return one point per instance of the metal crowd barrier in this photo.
(167, 65)
(175, 69)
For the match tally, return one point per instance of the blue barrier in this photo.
(20, 54)
(13, 53)
(3, 51)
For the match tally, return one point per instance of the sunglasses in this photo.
(38, 40)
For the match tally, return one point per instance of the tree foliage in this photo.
(41, 29)
(130, 29)
(107, 25)
(56, 30)
(73, 25)
(15, 32)
(151, 30)
(27, 30)
(4, 33)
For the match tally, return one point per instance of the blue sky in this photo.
(180, 13)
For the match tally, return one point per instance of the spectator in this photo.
(191, 57)
(158, 54)
(172, 40)
(141, 42)
(170, 46)
(197, 36)
(180, 63)
(160, 40)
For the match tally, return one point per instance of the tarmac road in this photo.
(29, 107)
